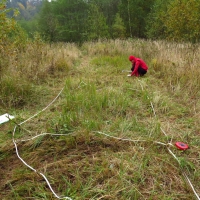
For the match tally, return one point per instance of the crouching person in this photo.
(139, 67)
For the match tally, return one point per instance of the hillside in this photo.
(27, 8)
(115, 134)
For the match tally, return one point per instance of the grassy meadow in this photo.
(113, 132)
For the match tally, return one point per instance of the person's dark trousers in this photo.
(141, 71)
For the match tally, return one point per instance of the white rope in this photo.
(16, 148)
(184, 174)
(188, 180)
(52, 189)
(32, 138)
(18, 153)
(129, 140)
(126, 71)
(43, 108)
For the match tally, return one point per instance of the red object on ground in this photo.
(181, 145)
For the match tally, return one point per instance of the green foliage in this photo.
(174, 20)
(81, 20)
(48, 22)
(109, 8)
(96, 24)
(118, 28)
(134, 14)
(71, 21)
(7, 25)
(155, 21)
(183, 20)
(12, 38)
(30, 26)
(27, 17)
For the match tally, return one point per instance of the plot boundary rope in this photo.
(170, 151)
(17, 152)
(107, 135)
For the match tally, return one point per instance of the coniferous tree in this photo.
(96, 24)
(72, 18)
(118, 28)
(109, 8)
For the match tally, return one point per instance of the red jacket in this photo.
(138, 63)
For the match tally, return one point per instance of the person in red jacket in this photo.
(139, 67)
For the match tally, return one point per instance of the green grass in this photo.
(99, 104)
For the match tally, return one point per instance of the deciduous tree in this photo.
(183, 21)
(12, 37)
(134, 14)
(155, 28)
(48, 22)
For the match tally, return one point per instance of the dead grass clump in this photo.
(15, 92)
(34, 66)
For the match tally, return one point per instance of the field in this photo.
(91, 132)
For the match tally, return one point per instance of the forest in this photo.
(86, 20)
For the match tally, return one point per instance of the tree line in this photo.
(85, 20)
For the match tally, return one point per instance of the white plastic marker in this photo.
(127, 71)
(5, 118)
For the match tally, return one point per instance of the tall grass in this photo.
(38, 64)
(108, 149)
